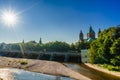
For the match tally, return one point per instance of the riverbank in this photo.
(41, 66)
(96, 67)
(93, 71)
(75, 71)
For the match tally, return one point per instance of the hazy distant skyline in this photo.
(59, 20)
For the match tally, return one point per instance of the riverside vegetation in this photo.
(105, 50)
(56, 46)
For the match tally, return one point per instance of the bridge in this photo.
(51, 56)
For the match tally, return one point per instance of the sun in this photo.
(9, 18)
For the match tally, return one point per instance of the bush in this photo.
(23, 62)
(110, 67)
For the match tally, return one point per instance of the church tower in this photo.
(40, 41)
(23, 41)
(81, 36)
(91, 33)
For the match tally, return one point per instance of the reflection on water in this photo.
(27, 75)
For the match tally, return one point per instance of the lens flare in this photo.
(9, 18)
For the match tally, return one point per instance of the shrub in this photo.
(23, 62)
(110, 67)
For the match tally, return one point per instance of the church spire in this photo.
(81, 36)
(40, 41)
(91, 33)
(23, 41)
(90, 29)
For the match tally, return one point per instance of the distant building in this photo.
(23, 41)
(40, 41)
(90, 35)
(81, 36)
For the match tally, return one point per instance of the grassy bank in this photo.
(110, 67)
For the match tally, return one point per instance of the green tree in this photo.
(102, 50)
(78, 47)
(115, 50)
(72, 47)
(57, 46)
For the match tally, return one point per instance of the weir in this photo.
(51, 56)
(66, 58)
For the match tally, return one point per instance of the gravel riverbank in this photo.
(74, 71)
(41, 66)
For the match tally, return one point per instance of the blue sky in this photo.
(59, 20)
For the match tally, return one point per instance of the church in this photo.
(90, 35)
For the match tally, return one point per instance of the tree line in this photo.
(56, 46)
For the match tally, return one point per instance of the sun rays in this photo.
(9, 17)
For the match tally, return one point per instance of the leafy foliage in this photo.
(106, 48)
(115, 50)
(56, 46)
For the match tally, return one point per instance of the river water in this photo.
(19, 74)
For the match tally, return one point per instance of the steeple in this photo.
(91, 33)
(81, 36)
(23, 41)
(40, 41)
(90, 29)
